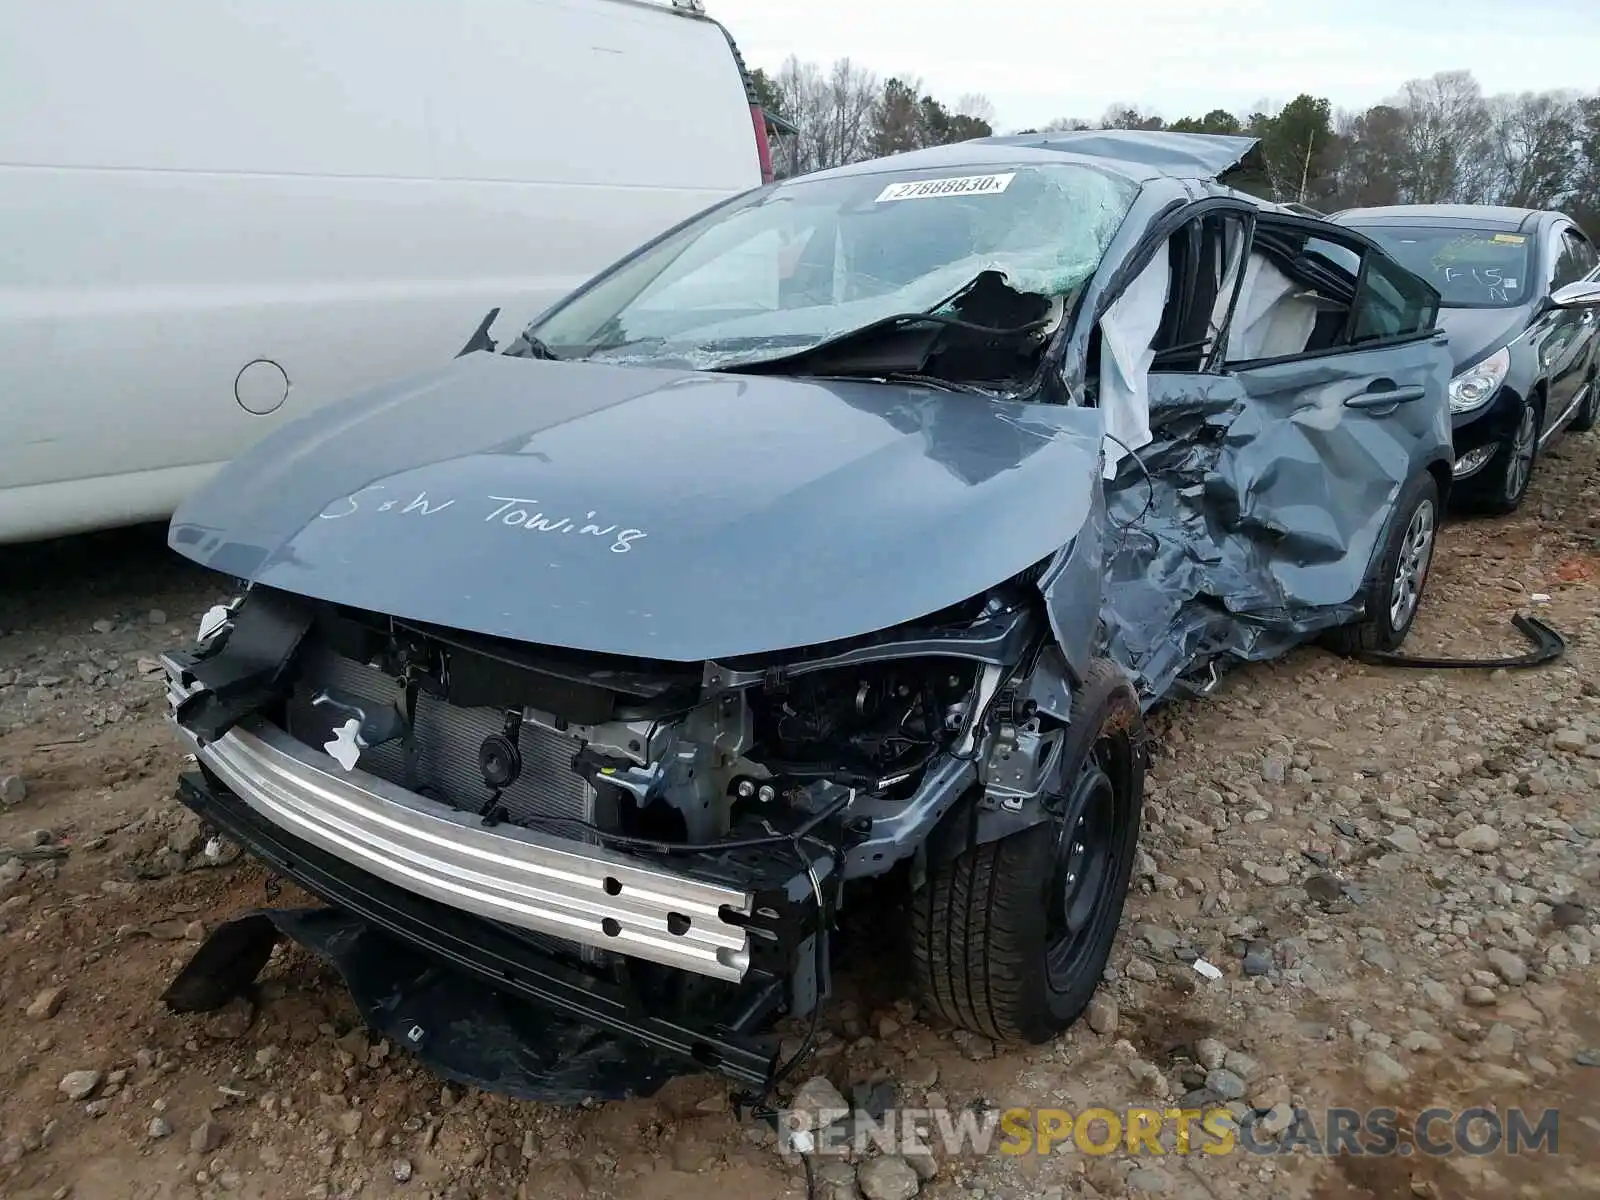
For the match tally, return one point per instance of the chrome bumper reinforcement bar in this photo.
(515, 876)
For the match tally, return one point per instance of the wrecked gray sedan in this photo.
(826, 551)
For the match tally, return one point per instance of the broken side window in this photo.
(1168, 319)
(1207, 254)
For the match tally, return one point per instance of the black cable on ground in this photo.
(1548, 646)
(759, 1104)
(812, 1191)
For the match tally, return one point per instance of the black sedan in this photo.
(1519, 290)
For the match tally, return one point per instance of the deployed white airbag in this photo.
(1126, 333)
(1271, 321)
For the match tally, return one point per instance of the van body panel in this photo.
(222, 216)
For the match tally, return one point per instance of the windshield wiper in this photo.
(621, 344)
(689, 351)
(933, 381)
(889, 345)
(528, 346)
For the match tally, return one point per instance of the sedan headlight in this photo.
(1475, 386)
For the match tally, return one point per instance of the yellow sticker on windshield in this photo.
(966, 185)
(1515, 239)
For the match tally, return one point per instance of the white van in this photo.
(216, 215)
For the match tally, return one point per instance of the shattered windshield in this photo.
(1469, 268)
(791, 267)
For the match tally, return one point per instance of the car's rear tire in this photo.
(1503, 484)
(1010, 938)
(1589, 413)
(1394, 592)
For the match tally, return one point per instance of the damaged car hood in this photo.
(661, 514)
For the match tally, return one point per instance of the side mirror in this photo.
(1583, 294)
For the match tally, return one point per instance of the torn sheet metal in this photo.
(460, 1030)
(1253, 517)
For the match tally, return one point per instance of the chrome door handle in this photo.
(1387, 397)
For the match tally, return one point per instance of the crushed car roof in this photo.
(1179, 155)
(1137, 155)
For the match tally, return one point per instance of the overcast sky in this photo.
(1038, 59)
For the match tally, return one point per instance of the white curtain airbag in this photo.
(1270, 322)
(1126, 333)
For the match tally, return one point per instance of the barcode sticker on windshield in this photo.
(1510, 239)
(966, 185)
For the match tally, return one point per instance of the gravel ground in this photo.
(1395, 870)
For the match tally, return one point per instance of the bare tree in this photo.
(1535, 152)
(1130, 116)
(832, 110)
(1584, 199)
(1063, 124)
(799, 88)
(1446, 139)
(852, 96)
(976, 106)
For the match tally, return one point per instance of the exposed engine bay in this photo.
(684, 833)
(648, 757)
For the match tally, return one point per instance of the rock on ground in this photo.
(1509, 967)
(1102, 1014)
(1382, 1073)
(888, 1178)
(80, 1085)
(46, 1004)
(835, 1180)
(1480, 839)
(207, 1136)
